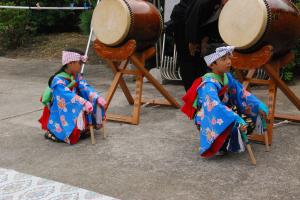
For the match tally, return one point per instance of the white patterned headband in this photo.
(68, 56)
(220, 52)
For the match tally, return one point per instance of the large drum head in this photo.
(111, 21)
(242, 23)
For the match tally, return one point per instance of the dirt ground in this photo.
(49, 47)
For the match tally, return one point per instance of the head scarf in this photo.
(68, 57)
(220, 52)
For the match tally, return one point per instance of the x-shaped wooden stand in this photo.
(118, 59)
(263, 59)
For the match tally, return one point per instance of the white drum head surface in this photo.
(242, 23)
(111, 21)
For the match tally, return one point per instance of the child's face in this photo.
(75, 67)
(222, 65)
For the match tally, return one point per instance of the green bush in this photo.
(15, 27)
(55, 21)
(52, 21)
(85, 22)
(290, 71)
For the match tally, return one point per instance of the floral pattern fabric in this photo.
(67, 104)
(215, 115)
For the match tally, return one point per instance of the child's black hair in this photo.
(63, 68)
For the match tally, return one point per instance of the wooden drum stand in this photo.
(263, 59)
(118, 58)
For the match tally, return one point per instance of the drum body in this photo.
(250, 24)
(116, 21)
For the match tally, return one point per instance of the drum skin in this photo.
(282, 30)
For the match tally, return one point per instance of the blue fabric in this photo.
(241, 121)
(214, 116)
(264, 108)
(67, 105)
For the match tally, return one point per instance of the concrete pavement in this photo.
(156, 160)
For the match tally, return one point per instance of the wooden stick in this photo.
(92, 135)
(248, 146)
(104, 130)
(250, 152)
(267, 141)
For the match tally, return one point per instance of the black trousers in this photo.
(191, 67)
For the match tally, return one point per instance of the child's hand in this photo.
(262, 114)
(243, 128)
(101, 102)
(263, 110)
(88, 107)
(242, 124)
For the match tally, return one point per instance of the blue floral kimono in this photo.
(68, 96)
(217, 121)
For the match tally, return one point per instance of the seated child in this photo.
(221, 108)
(70, 102)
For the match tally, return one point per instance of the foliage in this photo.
(53, 21)
(15, 27)
(290, 71)
(85, 19)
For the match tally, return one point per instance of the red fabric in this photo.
(189, 99)
(74, 137)
(45, 118)
(223, 91)
(191, 95)
(218, 143)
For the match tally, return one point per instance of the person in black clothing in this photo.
(195, 24)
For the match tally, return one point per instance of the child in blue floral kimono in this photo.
(69, 100)
(222, 109)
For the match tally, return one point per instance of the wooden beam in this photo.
(135, 60)
(260, 82)
(137, 100)
(121, 80)
(160, 102)
(292, 118)
(249, 76)
(283, 87)
(257, 138)
(119, 118)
